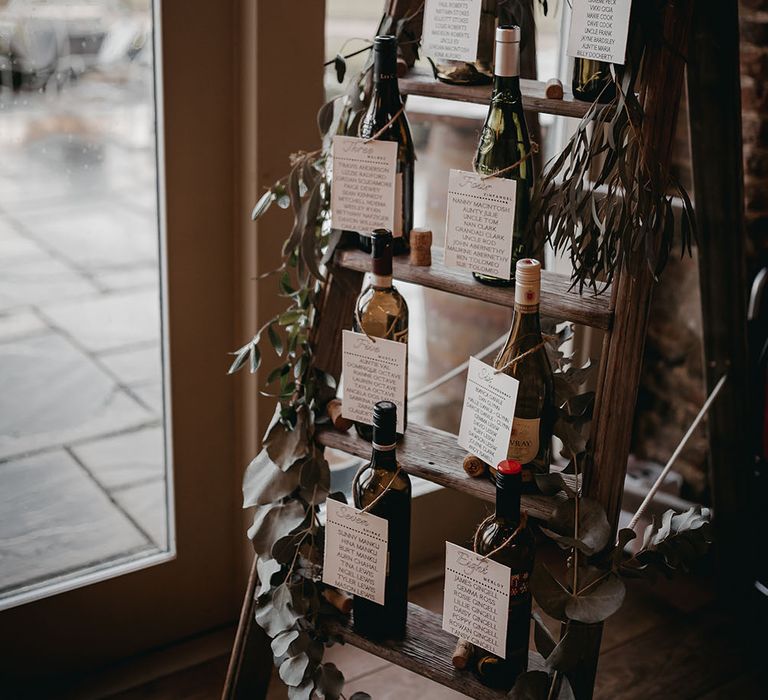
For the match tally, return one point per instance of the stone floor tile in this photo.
(20, 323)
(39, 280)
(151, 395)
(55, 519)
(125, 459)
(14, 247)
(395, 683)
(139, 366)
(146, 504)
(110, 321)
(92, 236)
(145, 277)
(52, 394)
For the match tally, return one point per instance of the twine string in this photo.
(506, 542)
(383, 128)
(382, 494)
(522, 355)
(534, 149)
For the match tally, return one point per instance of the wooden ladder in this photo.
(621, 312)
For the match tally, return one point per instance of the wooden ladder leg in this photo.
(714, 107)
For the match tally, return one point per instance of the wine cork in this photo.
(340, 600)
(421, 247)
(334, 413)
(462, 654)
(474, 466)
(554, 89)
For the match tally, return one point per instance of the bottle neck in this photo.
(506, 62)
(508, 488)
(384, 457)
(381, 266)
(506, 84)
(385, 87)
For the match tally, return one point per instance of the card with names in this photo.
(372, 370)
(363, 185)
(489, 407)
(451, 29)
(599, 30)
(479, 223)
(355, 551)
(476, 602)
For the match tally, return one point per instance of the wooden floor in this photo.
(668, 642)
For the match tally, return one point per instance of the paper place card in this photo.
(479, 223)
(372, 372)
(599, 30)
(355, 551)
(363, 184)
(451, 29)
(489, 407)
(476, 602)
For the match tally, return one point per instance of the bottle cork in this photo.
(462, 654)
(334, 413)
(474, 466)
(340, 600)
(554, 89)
(421, 247)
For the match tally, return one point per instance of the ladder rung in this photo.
(420, 82)
(426, 650)
(434, 455)
(558, 300)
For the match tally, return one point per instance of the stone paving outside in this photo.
(82, 469)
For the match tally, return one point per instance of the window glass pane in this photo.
(82, 458)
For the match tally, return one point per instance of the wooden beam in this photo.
(714, 106)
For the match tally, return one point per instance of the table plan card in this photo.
(489, 407)
(372, 370)
(451, 29)
(476, 602)
(479, 223)
(363, 187)
(355, 551)
(599, 30)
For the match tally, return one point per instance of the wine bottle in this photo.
(518, 555)
(592, 80)
(381, 311)
(385, 104)
(381, 477)
(504, 141)
(530, 442)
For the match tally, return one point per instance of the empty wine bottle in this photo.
(389, 491)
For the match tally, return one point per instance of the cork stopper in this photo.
(554, 89)
(421, 247)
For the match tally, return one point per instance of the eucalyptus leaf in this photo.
(275, 339)
(266, 568)
(594, 530)
(678, 541)
(285, 447)
(552, 483)
(549, 593)
(329, 681)
(325, 117)
(282, 641)
(302, 692)
(530, 685)
(292, 669)
(255, 357)
(270, 522)
(264, 482)
(262, 205)
(275, 619)
(597, 603)
(360, 695)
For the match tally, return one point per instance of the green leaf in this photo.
(325, 117)
(340, 65)
(262, 205)
(279, 371)
(255, 358)
(552, 483)
(594, 530)
(275, 339)
(292, 669)
(597, 603)
(285, 284)
(530, 685)
(678, 541)
(282, 641)
(240, 356)
(549, 593)
(273, 521)
(301, 692)
(264, 482)
(285, 446)
(266, 569)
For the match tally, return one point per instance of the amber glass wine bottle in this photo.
(381, 477)
(381, 311)
(504, 141)
(530, 442)
(518, 555)
(385, 104)
(592, 80)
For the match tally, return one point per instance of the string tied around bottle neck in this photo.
(522, 355)
(528, 154)
(392, 120)
(382, 494)
(520, 527)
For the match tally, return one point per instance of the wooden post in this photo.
(714, 107)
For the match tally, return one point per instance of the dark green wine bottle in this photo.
(518, 555)
(592, 80)
(371, 619)
(381, 311)
(504, 140)
(385, 104)
(531, 440)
